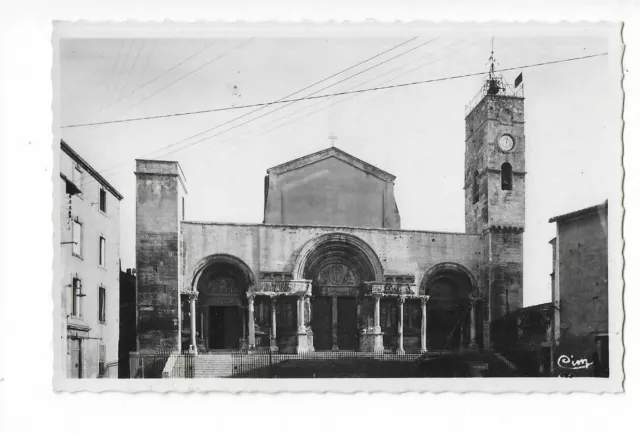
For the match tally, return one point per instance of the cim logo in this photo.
(569, 363)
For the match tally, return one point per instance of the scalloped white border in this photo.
(368, 29)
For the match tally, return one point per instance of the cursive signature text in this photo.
(567, 362)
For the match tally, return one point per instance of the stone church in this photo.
(330, 267)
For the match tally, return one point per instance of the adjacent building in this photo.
(330, 267)
(90, 267)
(127, 343)
(580, 293)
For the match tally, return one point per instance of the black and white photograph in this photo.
(251, 207)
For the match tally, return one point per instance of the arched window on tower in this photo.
(476, 195)
(506, 177)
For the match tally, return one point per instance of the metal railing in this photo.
(323, 364)
(330, 364)
(502, 88)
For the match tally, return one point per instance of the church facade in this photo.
(330, 267)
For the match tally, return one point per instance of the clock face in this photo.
(505, 143)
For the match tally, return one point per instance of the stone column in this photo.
(472, 325)
(378, 345)
(192, 316)
(400, 349)
(376, 315)
(244, 345)
(251, 324)
(303, 342)
(307, 322)
(274, 344)
(423, 328)
(334, 322)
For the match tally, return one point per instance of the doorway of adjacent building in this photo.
(224, 327)
(75, 359)
(321, 322)
(347, 324)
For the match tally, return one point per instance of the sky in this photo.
(572, 117)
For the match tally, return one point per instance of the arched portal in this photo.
(451, 289)
(338, 264)
(222, 282)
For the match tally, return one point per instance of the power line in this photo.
(453, 77)
(191, 72)
(174, 67)
(114, 89)
(352, 95)
(133, 66)
(292, 101)
(360, 85)
(283, 98)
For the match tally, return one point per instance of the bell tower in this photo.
(495, 191)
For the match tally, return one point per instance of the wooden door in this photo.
(75, 359)
(216, 327)
(231, 327)
(347, 324)
(321, 323)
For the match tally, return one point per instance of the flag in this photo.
(518, 80)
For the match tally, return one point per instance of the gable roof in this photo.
(85, 165)
(332, 152)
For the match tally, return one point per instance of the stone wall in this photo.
(330, 192)
(159, 192)
(275, 248)
(582, 274)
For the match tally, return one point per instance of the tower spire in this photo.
(493, 81)
(492, 61)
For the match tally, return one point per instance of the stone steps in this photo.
(213, 365)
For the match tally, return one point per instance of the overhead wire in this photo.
(293, 101)
(260, 108)
(172, 68)
(399, 86)
(133, 66)
(414, 83)
(192, 72)
(363, 91)
(343, 99)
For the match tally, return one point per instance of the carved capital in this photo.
(401, 300)
(251, 296)
(424, 300)
(473, 298)
(192, 296)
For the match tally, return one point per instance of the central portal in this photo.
(224, 327)
(339, 266)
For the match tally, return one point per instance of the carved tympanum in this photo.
(222, 286)
(337, 274)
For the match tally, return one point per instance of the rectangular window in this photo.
(102, 359)
(103, 200)
(103, 252)
(102, 304)
(75, 304)
(77, 239)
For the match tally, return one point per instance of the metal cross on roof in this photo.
(333, 139)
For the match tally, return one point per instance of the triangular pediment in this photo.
(332, 152)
